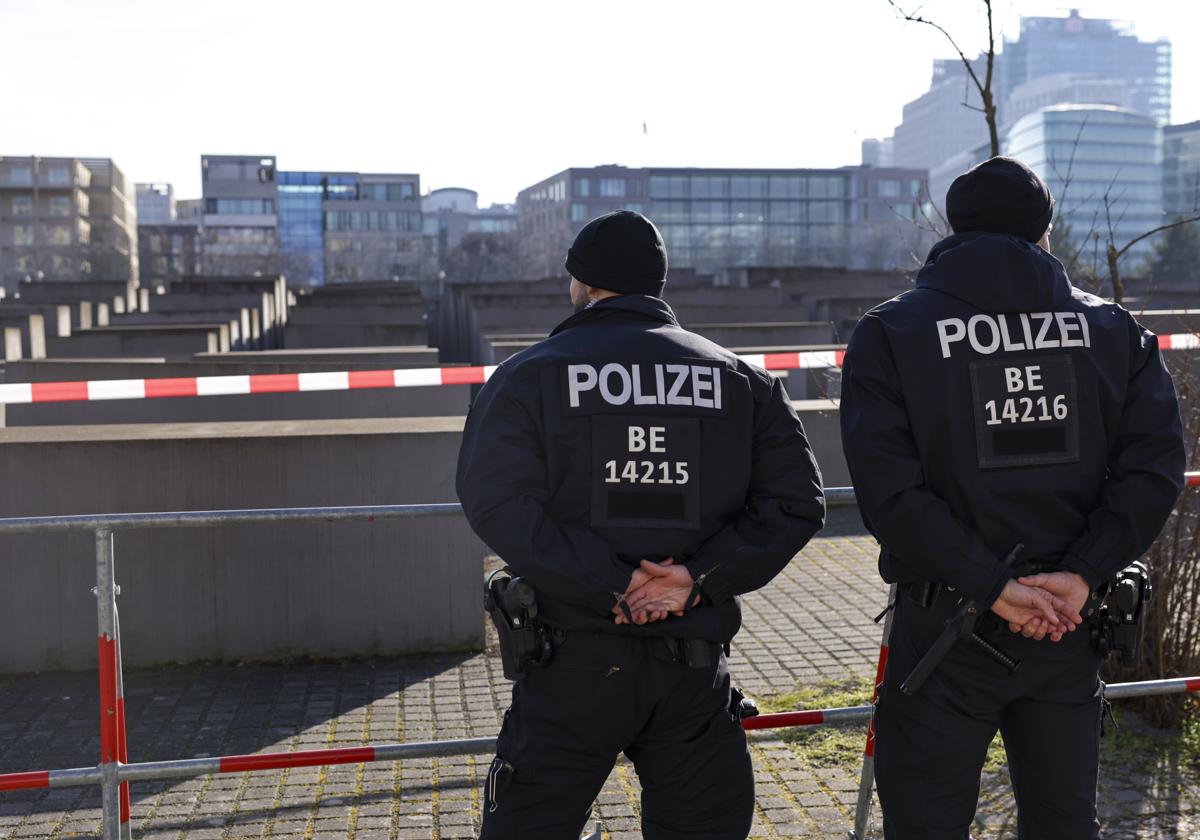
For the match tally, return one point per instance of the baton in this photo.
(960, 625)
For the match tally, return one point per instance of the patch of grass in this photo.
(840, 745)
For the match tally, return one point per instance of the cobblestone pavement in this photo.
(814, 622)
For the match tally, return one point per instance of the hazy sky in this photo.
(490, 95)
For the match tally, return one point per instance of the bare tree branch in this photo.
(1159, 229)
(984, 87)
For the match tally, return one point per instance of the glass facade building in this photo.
(1181, 170)
(713, 219)
(301, 227)
(1085, 152)
(1102, 48)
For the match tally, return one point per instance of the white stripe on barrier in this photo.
(337, 380)
(417, 377)
(1183, 341)
(212, 386)
(818, 358)
(488, 370)
(756, 359)
(116, 389)
(15, 393)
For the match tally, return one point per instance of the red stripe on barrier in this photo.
(462, 376)
(274, 383)
(869, 749)
(781, 361)
(1193, 684)
(372, 379)
(781, 719)
(25, 781)
(1192, 479)
(1164, 342)
(123, 755)
(302, 758)
(59, 391)
(107, 655)
(839, 357)
(171, 387)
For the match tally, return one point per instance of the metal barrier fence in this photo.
(115, 771)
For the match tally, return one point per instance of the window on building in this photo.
(583, 187)
(668, 186)
(23, 262)
(59, 176)
(58, 235)
(60, 205)
(240, 206)
(748, 186)
(887, 189)
(21, 176)
(579, 212)
(612, 187)
(709, 186)
(23, 235)
(22, 205)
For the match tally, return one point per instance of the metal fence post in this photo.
(122, 746)
(106, 616)
(862, 811)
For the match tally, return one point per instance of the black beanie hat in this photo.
(1000, 195)
(621, 252)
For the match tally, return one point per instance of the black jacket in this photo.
(622, 436)
(994, 404)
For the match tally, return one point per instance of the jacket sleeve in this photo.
(1145, 470)
(785, 506)
(502, 484)
(908, 519)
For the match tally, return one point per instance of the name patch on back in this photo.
(645, 471)
(1026, 412)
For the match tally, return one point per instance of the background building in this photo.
(1181, 170)
(1090, 154)
(1100, 48)
(65, 219)
(713, 219)
(468, 243)
(943, 121)
(155, 203)
(240, 227)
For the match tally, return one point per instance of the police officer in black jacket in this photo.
(641, 478)
(994, 405)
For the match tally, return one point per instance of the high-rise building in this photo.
(1102, 164)
(712, 219)
(1100, 48)
(240, 231)
(1181, 170)
(64, 219)
(1065, 88)
(943, 121)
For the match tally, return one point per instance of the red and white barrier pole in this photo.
(122, 745)
(866, 781)
(191, 767)
(106, 614)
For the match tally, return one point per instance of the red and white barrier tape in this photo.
(18, 393)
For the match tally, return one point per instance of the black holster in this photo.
(525, 642)
(1120, 622)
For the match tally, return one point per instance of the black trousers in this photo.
(604, 695)
(930, 747)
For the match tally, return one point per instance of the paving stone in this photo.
(813, 622)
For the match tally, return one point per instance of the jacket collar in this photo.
(622, 307)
